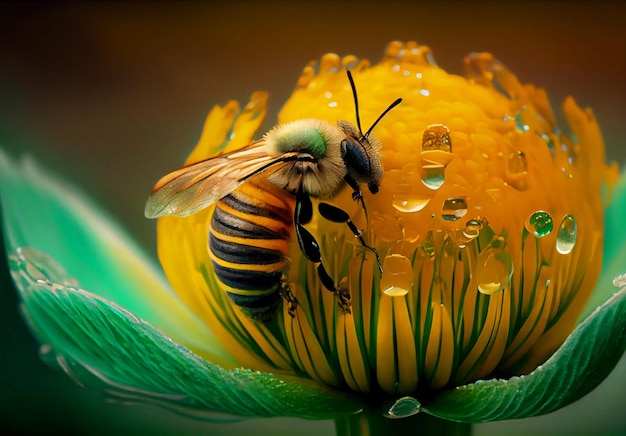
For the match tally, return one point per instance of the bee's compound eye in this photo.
(356, 159)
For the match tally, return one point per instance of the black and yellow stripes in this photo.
(248, 245)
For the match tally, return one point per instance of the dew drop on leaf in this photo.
(404, 407)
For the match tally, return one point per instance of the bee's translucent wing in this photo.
(197, 186)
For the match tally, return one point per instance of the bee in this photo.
(262, 193)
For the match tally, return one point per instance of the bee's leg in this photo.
(311, 249)
(303, 211)
(342, 293)
(357, 194)
(336, 215)
(285, 292)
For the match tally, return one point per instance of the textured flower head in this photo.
(488, 222)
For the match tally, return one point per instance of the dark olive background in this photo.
(113, 95)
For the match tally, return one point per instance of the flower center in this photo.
(488, 222)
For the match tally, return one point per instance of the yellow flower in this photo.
(488, 221)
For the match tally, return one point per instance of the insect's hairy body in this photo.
(248, 245)
(263, 191)
(250, 227)
(321, 177)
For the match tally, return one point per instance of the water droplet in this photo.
(453, 209)
(494, 269)
(473, 228)
(397, 278)
(434, 177)
(433, 168)
(566, 237)
(409, 203)
(436, 137)
(428, 246)
(424, 92)
(404, 407)
(486, 70)
(539, 223)
(517, 162)
(329, 63)
(517, 171)
(619, 281)
(39, 267)
(47, 354)
(435, 156)
(520, 123)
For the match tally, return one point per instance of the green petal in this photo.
(48, 219)
(95, 340)
(583, 361)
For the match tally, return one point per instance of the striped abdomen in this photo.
(248, 239)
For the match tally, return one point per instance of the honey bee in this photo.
(263, 192)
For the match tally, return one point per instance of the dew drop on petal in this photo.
(397, 278)
(493, 270)
(409, 203)
(434, 176)
(453, 209)
(566, 236)
(435, 156)
(436, 137)
(517, 162)
(523, 127)
(539, 223)
(517, 171)
(473, 228)
(428, 246)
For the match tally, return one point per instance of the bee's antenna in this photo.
(356, 102)
(356, 107)
(391, 106)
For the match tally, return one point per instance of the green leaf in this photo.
(583, 361)
(614, 220)
(100, 344)
(614, 252)
(40, 214)
(58, 243)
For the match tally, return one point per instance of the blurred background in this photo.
(114, 94)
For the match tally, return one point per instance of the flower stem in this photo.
(373, 423)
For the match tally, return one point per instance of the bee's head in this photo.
(361, 152)
(361, 157)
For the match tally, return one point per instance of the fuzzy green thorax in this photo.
(310, 140)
